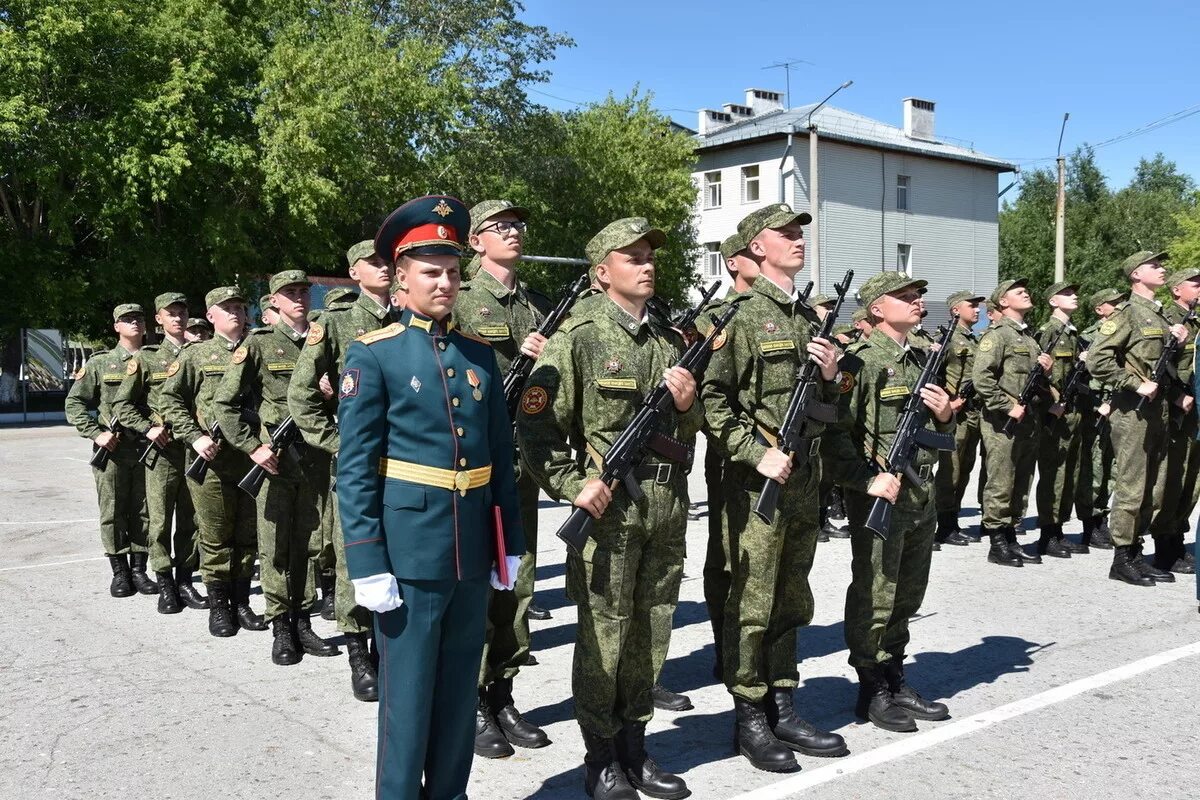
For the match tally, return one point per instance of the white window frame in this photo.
(714, 264)
(747, 180)
(904, 259)
(712, 180)
(904, 193)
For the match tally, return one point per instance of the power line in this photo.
(1142, 130)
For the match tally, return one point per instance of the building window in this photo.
(712, 190)
(750, 184)
(904, 259)
(902, 184)
(714, 265)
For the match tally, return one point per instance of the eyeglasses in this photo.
(504, 227)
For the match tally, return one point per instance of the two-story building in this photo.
(889, 198)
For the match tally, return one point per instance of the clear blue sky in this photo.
(1002, 74)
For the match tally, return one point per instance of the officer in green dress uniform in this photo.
(121, 486)
(425, 473)
(173, 532)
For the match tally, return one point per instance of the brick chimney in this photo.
(918, 118)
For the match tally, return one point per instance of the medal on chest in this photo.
(473, 379)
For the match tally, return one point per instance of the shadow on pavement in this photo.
(943, 675)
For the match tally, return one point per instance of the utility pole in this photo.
(1060, 210)
(812, 253)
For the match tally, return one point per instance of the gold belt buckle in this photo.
(462, 482)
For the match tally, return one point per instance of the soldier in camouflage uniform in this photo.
(1007, 351)
(268, 314)
(861, 323)
(584, 391)
(167, 497)
(1092, 487)
(250, 403)
(888, 576)
(1123, 357)
(198, 330)
(224, 513)
(746, 389)
(1180, 487)
(120, 487)
(954, 468)
(1058, 439)
(313, 405)
(495, 305)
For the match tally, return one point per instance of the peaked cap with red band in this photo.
(436, 225)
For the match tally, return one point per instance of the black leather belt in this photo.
(659, 473)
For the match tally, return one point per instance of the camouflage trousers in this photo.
(716, 569)
(954, 467)
(1180, 486)
(626, 585)
(1139, 440)
(227, 519)
(769, 596)
(320, 480)
(287, 517)
(121, 496)
(1010, 461)
(1058, 468)
(172, 519)
(1094, 464)
(506, 644)
(350, 616)
(887, 577)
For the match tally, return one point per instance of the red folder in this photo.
(501, 549)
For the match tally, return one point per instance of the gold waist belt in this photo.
(453, 480)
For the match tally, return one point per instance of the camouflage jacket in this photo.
(1175, 315)
(324, 355)
(504, 317)
(137, 401)
(960, 360)
(259, 371)
(1003, 359)
(186, 401)
(587, 386)
(1128, 344)
(1065, 352)
(95, 389)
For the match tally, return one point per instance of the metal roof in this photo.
(841, 125)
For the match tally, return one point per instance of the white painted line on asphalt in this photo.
(912, 744)
(53, 563)
(50, 521)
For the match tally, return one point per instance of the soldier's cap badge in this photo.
(442, 209)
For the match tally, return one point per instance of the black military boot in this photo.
(1101, 537)
(489, 739)
(137, 571)
(328, 597)
(1082, 548)
(187, 591)
(754, 739)
(1146, 568)
(122, 583)
(669, 701)
(876, 704)
(603, 778)
(516, 729)
(1123, 570)
(642, 771)
(284, 650)
(220, 616)
(907, 698)
(309, 641)
(168, 598)
(796, 733)
(1170, 555)
(999, 553)
(362, 669)
(1014, 547)
(246, 618)
(537, 612)
(1050, 542)
(948, 532)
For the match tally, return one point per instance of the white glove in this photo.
(378, 593)
(514, 563)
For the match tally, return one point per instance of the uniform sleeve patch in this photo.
(240, 354)
(1108, 327)
(131, 367)
(349, 384)
(534, 400)
(845, 382)
(719, 340)
(171, 370)
(986, 345)
(79, 373)
(316, 333)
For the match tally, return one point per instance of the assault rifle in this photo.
(912, 435)
(629, 449)
(285, 435)
(1076, 378)
(802, 407)
(687, 320)
(151, 452)
(1031, 383)
(1161, 374)
(102, 455)
(804, 295)
(522, 365)
(198, 469)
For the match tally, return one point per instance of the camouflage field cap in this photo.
(962, 297)
(1141, 257)
(287, 278)
(1005, 287)
(1061, 286)
(360, 250)
(1103, 296)
(223, 293)
(775, 215)
(843, 329)
(1180, 275)
(169, 299)
(622, 233)
(732, 246)
(886, 283)
(127, 308)
(198, 322)
(991, 306)
(338, 294)
(482, 212)
(821, 300)
(265, 302)
(859, 315)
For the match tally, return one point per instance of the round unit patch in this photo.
(845, 382)
(719, 341)
(240, 354)
(1108, 327)
(171, 370)
(315, 333)
(534, 400)
(131, 367)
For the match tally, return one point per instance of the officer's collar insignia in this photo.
(613, 364)
(770, 327)
(442, 210)
(424, 323)
(349, 387)
(415, 384)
